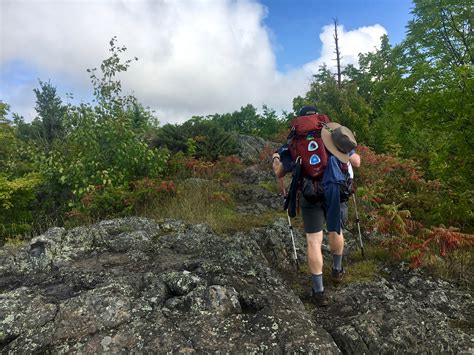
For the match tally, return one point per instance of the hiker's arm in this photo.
(355, 160)
(277, 166)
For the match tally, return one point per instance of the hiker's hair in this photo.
(308, 110)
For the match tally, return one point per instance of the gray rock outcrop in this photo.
(404, 312)
(254, 195)
(251, 148)
(135, 285)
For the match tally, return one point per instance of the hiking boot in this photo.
(337, 275)
(319, 299)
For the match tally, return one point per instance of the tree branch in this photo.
(462, 34)
(445, 35)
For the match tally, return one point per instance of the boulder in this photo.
(251, 149)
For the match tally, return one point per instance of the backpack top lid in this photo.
(301, 125)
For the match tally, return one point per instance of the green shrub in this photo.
(104, 148)
(16, 198)
(135, 198)
(199, 138)
(386, 180)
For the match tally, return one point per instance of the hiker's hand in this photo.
(277, 165)
(276, 162)
(355, 160)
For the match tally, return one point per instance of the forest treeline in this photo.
(412, 104)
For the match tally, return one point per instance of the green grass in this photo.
(457, 266)
(206, 202)
(15, 241)
(362, 271)
(371, 252)
(271, 186)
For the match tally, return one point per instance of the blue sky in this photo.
(196, 57)
(296, 24)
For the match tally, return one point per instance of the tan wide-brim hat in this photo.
(339, 140)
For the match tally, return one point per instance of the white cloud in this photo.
(351, 43)
(196, 57)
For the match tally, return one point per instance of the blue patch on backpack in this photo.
(314, 159)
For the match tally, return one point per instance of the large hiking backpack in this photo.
(305, 143)
(310, 159)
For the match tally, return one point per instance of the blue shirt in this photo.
(332, 179)
(333, 173)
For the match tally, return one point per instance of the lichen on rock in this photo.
(137, 285)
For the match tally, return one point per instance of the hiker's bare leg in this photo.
(336, 243)
(315, 256)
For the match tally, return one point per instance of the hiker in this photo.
(338, 142)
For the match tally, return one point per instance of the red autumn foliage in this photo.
(199, 168)
(398, 203)
(441, 240)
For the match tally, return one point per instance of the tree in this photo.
(105, 146)
(338, 55)
(421, 92)
(107, 89)
(243, 121)
(17, 181)
(440, 33)
(379, 80)
(438, 90)
(50, 113)
(269, 124)
(7, 137)
(344, 105)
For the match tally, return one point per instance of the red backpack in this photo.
(305, 142)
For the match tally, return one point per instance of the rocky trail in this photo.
(136, 285)
(139, 285)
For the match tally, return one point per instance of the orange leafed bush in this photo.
(399, 204)
(440, 240)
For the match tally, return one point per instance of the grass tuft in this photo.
(458, 266)
(206, 202)
(362, 271)
(372, 252)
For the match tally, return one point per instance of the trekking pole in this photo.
(295, 256)
(358, 226)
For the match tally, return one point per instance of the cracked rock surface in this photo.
(400, 311)
(136, 285)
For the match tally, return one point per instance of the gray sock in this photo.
(317, 282)
(337, 262)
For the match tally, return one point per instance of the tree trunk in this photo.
(338, 55)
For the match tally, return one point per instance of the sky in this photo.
(195, 57)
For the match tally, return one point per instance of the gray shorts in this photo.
(344, 213)
(313, 215)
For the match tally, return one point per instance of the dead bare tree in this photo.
(338, 54)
